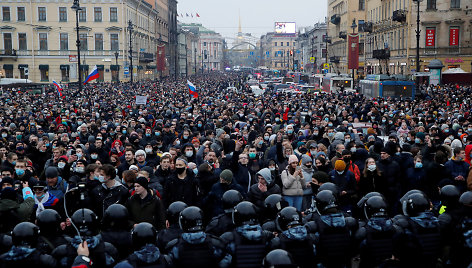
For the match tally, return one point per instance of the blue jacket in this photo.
(59, 189)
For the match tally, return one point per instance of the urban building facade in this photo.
(38, 39)
(311, 48)
(277, 51)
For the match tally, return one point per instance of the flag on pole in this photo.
(92, 76)
(198, 16)
(192, 90)
(58, 88)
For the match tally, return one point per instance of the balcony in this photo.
(399, 15)
(8, 54)
(343, 35)
(146, 57)
(336, 19)
(334, 59)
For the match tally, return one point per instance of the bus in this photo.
(333, 83)
(387, 88)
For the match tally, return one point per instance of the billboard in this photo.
(285, 28)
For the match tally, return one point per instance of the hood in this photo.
(18, 253)
(250, 232)
(266, 174)
(8, 204)
(468, 150)
(148, 254)
(380, 224)
(296, 233)
(194, 238)
(334, 220)
(339, 136)
(117, 184)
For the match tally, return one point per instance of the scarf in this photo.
(41, 203)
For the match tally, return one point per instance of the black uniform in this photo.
(26, 257)
(298, 242)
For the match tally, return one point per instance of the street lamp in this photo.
(417, 35)
(195, 61)
(130, 30)
(77, 8)
(353, 26)
(116, 57)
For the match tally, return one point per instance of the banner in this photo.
(453, 36)
(430, 37)
(353, 56)
(161, 58)
(141, 100)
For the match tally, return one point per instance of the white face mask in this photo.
(371, 167)
(148, 150)
(188, 153)
(61, 165)
(79, 169)
(101, 178)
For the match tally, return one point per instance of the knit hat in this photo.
(227, 175)
(140, 152)
(219, 132)
(8, 180)
(143, 182)
(292, 158)
(133, 167)
(306, 159)
(420, 135)
(51, 172)
(8, 193)
(370, 131)
(389, 148)
(340, 165)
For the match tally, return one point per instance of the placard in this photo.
(141, 100)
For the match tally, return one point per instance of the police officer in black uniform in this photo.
(50, 236)
(224, 222)
(375, 233)
(194, 247)
(279, 258)
(335, 230)
(102, 253)
(146, 253)
(248, 243)
(273, 204)
(461, 249)
(23, 252)
(295, 238)
(173, 230)
(115, 229)
(419, 220)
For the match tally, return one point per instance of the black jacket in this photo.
(149, 209)
(186, 190)
(103, 197)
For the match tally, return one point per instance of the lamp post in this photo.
(353, 26)
(130, 30)
(116, 62)
(195, 60)
(417, 35)
(77, 8)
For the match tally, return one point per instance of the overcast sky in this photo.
(257, 16)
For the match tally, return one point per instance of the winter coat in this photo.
(12, 213)
(185, 190)
(213, 200)
(256, 196)
(293, 186)
(59, 189)
(458, 168)
(415, 178)
(372, 182)
(103, 197)
(149, 209)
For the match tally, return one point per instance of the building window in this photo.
(97, 14)
(22, 45)
(64, 41)
(455, 3)
(361, 4)
(44, 74)
(98, 41)
(275, 44)
(6, 13)
(41, 14)
(204, 44)
(62, 14)
(20, 12)
(281, 44)
(114, 42)
(113, 14)
(83, 14)
(7, 44)
(83, 41)
(431, 4)
(65, 73)
(288, 44)
(43, 41)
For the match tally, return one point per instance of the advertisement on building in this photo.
(285, 28)
(353, 56)
(454, 36)
(161, 58)
(430, 37)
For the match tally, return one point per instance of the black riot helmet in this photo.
(173, 211)
(273, 204)
(278, 258)
(466, 199)
(375, 206)
(361, 202)
(48, 222)
(191, 220)
(325, 200)
(142, 234)
(86, 221)
(244, 213)
(288, 217)
(25, 234)
(116, 216)
(449, 196)
(230, 199)
(330, 186)
(415, 204)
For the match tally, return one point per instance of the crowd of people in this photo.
(234, 179)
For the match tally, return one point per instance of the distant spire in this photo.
(240, 31)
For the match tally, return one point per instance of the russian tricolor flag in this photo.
(58, 88)
(192, 90)
(92, 76)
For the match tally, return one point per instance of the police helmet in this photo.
(173, 211)
(142, 234)
(230, 199)
(25, 234)
(361, 202)
(48, 221)
(466, 199)
(375, 206)
(116, 215)
(325, 200)
(416, 204)
(86, 221)
(330, 186)
(288, 218)
(244, 213)
(274, 203)
(278, 258)
(449, 195)
(191, 219)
